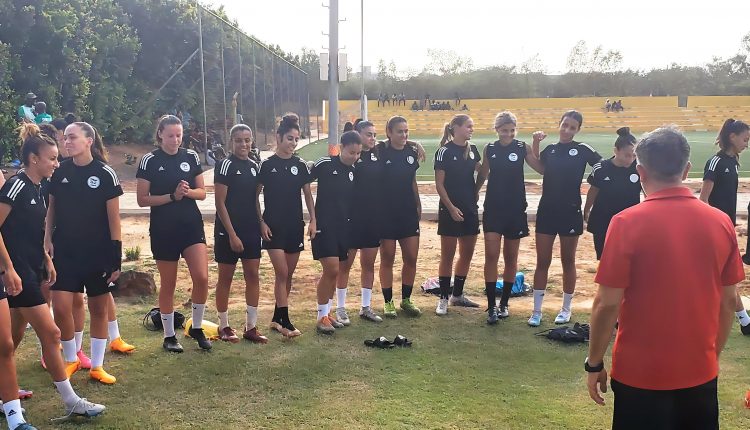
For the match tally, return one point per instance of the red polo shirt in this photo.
(672, 254)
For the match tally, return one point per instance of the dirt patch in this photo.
(135, 232)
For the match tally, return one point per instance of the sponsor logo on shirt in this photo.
(273, 170)
(351, 176)
(726, 170)
(573, 152)
(572, 231)
(33, 202)
(93, 182)
(301, 245)
(512, 156)
(335, 172)
(239, 173)
(494, 156)
(161, 168)
(388, 162)
(471, 155)
(607, 178)
(184, 166)
(65, 181)
(634, 178)
(252, 170)
(455, 159)
(410, 159)
(294, 170)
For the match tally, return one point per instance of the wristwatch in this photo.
(593, 369)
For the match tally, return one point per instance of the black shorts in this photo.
(223, 251)
(363, 236)
(599, 244)
(396, 228)
(289, 239)
(73, 278)
(3, 293)
(687, 408)
(563, 221)
(169, 245)
(510, 224)
(31, 294)
(331, 242)
(448, 227)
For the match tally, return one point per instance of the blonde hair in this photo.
(503, 118)
(457, 120)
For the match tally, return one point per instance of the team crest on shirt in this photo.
(93, 182)
(252, 170)
(294, 170)
(471, 155)
(513, 156)
(351, 176)
(373, 157)
(573, 152)
(410, 159)
(634, 178)
(184, 166)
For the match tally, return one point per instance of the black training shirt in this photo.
(81, 194)
(506, 190)
(335, 185)
(399, 172)
(723, 170)
(164, 172)
(365, 201)
(282, 180)
(459, 168)
(619, 189)
(564, 166)
(23, 229)
(241, 178)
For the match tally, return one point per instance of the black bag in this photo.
(577, 334)
(152, 320)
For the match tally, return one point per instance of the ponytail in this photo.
(624, 138)
(729, 127)
(457, 120)
(97, 145)
(447, 134)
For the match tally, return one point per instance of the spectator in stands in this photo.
(41, 113)
(26, 110)
(458, 99)
(414, 106)
(464, 107)
(402, 99)
(619, 105)
(448, 106)
(380, 99)
(394, 99)
(608, 106)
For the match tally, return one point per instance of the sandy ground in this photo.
(135, 230)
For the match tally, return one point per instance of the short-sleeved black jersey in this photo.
(619, 189)
(282, 180)
(506, 190)
(399, 172)
(365, 201)
(164, 172)
(564, 166)
(723, 170)
(241, 178)
(335, 185)
(81, 194)
(459, 174)
(23, 230)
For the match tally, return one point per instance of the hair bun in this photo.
(27, 130)
(623, 131)
(290, 119)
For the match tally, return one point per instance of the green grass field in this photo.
(460, 374)
(702, 146)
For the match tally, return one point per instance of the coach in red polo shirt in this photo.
(668, 272)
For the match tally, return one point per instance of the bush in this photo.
(133, 254)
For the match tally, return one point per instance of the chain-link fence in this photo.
(239, 80)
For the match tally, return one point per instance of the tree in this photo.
(447, 62)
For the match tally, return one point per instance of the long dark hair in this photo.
(730, 126)
(97, 146)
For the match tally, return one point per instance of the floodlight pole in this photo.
(333, 74)
(363, 98)
(203, 80)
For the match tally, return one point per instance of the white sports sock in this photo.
(366, 297)
(329, 305)
(69, 350)
(13, 413)
(167, 320)
(113, 330)
(98, 346)
(69, 397)
(322, 311)
(199, 309)
(743, 317)
(567, 300)
(538, 300)
(251, 317)
(223, 319)
(340, 297)
(78, 336)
